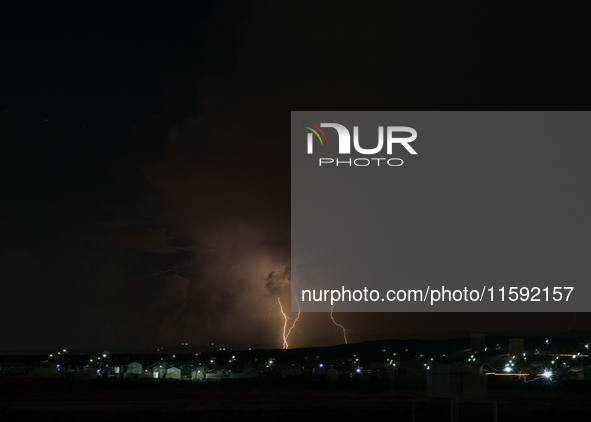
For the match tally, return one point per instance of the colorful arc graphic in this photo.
(316, 133)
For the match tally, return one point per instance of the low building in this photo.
(332, 374)
(173, 373)
(47, 370)
(134, 370)
(247, 373)
(218, 374)
(158, 371)
(292, 371)
(198, 374)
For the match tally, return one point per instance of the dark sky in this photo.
(145, 165)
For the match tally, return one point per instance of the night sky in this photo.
(145, 170)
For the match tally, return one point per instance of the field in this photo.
(310, 400)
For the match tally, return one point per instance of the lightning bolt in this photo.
(268, 311)
(571, 323)
(286, 331)
(295, 320)
(339, 325)
(172, 269)
(237, 265)
(285, 345)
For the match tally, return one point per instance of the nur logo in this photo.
(392, 137)
(345, 138)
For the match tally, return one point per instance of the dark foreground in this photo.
(308, 400)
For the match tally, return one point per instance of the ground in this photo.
(25, 399)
